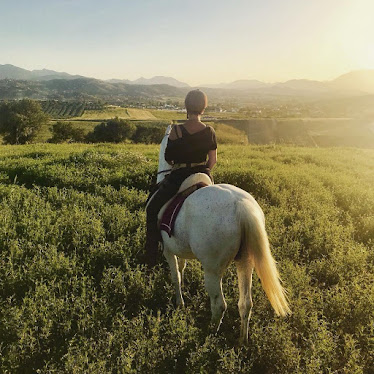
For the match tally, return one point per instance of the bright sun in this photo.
(356, 33)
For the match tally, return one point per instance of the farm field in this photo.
(89, 110)
(310, 132)
(167, 115)
(113, 111)
(75, 297)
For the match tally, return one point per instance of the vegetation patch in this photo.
(75, 297)
(112, 111)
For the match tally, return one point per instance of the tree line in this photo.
(21, 121)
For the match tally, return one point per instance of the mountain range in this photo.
(360, 81)
(49, 82)
(8, 71)
(154, 80)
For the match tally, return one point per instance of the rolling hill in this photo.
(17, 83)
(9, 71)
(360, 80)
(82, 88)
(354, 82)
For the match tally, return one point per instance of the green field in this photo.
(225, 134)
(45, 133)
(167, 115)
(76, 110)
(310, 132)
(114, 111)
(74, 296)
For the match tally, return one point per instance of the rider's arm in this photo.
(212, 158)
(212, 154)
(171, 148)
(169, 153)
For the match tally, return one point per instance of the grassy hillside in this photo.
(83, 88)
(74, 296)
(318, 132)
(229, 135)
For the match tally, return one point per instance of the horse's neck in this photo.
(162, 164)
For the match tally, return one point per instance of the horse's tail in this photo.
(255, 249)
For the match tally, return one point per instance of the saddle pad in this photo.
(171, 212)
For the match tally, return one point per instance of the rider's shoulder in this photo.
(211, 129)
(173, 133)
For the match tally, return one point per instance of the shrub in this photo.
(75, 297)
(65, 131)
(20, 121)
(148, 134)
(115, 130)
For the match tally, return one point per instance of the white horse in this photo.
(216, 225)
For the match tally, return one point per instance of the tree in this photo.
(20, 121)
(115, 130)
(148, 134)
(65, 131)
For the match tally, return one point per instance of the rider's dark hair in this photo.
(196, 101)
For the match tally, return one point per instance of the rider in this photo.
(189, 146)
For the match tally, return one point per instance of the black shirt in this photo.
(191, 148)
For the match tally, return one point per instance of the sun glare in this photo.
(355, 34)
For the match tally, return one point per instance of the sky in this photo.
(198, 42)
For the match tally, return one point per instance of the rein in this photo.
(163, 171)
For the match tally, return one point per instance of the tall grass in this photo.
(74, 296)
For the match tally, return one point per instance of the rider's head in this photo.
(196, 101)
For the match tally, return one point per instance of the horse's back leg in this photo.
(175, 275)
(213, 285)
(181, 266)
(245, 271)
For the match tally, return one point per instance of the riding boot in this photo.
(166, 191)
(151, 246)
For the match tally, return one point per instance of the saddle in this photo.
(169, 212)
